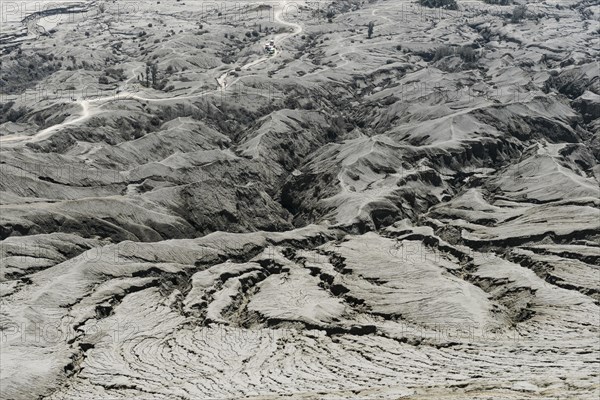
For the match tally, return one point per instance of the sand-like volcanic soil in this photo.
(265, 200)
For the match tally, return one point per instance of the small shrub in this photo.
(467, 54)
(115, 73)
(442, 52)
(447, 4)
(518, 13)
(498, 2)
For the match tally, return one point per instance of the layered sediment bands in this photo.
(353, 308)
(415, 215)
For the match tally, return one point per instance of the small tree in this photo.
(370, 28)
(518, 13)
(154, 70)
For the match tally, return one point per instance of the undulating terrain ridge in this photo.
(377, 199)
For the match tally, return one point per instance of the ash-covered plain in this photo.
(376, 199)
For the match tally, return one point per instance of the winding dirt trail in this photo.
(87, 112)
(222, 79)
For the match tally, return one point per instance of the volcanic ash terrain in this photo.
(269, 201)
